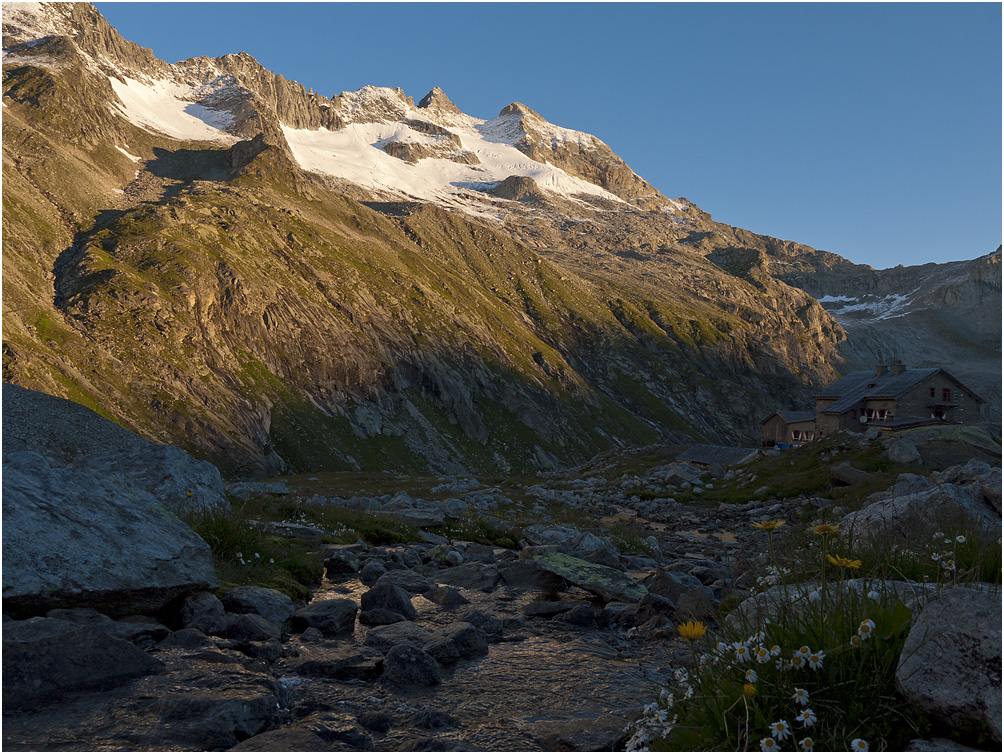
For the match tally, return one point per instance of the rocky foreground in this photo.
(117, 635)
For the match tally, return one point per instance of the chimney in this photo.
(880, 370)
(898, 368)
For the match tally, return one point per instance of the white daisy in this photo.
(801, 696)
(807, 717)
(781, 730)
(859, 744)
(816, 660)
(769, 744)
(806, 744)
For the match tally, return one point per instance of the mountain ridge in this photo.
(215, 293)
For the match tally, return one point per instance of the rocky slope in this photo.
(216, 257)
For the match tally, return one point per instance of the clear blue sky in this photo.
(869, 130)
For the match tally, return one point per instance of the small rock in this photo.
(372, 572)
(270, 604)
(386, 637)
(446, 597)
(386, 596)
(330, 617)
(380, 617)
(408, 666)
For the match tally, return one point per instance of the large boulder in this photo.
(386, 596)
(79, 537)
(951, 662)
(892, 517)
(45, 659)
(68, 434)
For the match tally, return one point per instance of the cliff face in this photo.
(173, 259)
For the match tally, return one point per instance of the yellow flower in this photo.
(691, 630)
(768, 525)
(826, 529)
(749, 690)
(844, 562)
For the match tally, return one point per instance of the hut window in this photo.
(931, 391)
(946, 394)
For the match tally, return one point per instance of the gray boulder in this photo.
(479, 576)
(902, 450)
(68, 434)
(386, 596)
(409, 581)
(330, 617)
(205, 612)
(408, 666)
(386, 637)
(270, 604)
(44, 659)
(609, 583)
(380, 617)
(446, 597)
(899, 518)
(951, 662)
(79, 537)
(372, 571)
(251, 627)
(143, 633)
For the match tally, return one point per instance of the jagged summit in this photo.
(437, 100)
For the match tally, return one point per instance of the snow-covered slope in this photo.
(357, 153)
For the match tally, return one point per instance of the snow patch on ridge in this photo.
(167, 107)
(868, 308)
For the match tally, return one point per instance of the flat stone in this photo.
(408, 580)
(385, 637)
(608, 583)
(337, 661)
(44, 659)
(479, 576)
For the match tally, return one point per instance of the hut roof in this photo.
(720, 454)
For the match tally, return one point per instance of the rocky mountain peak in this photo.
(437, 100)
(519, 109)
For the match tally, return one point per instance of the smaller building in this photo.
(789, 427)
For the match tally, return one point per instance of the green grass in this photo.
(244, 553)
(725, 698)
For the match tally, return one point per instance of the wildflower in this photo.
(807, 717)
(742, 653)
(797, 662)
(801, 696)
(866, 628)
(689, 692)
(816, 660)
(188, 494)
(721, 647)
(844, 562)
(814, 596)
(826, 529)
(271, 560)
(751, 676)
(257, 555)
(960, 539)
(859, 744)
(769, 744)
(948, 565)
(802, 652)
(938, 535)
(756, 638)
(935, 557)
(855, 641)
(775, 650)
(691, 630)
(762, 654)
(749, 690)
(781, 729)
(806, 744)
(768, 525)
(873, 595)
(680, 675)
